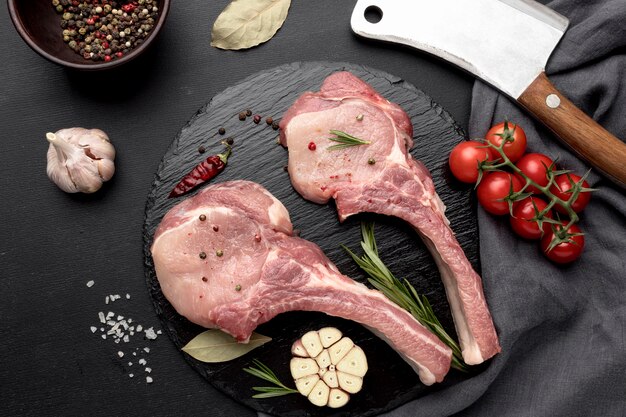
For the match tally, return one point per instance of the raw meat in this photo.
(382, 177)
(254, 269)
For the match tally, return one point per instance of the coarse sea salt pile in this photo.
(121, 330)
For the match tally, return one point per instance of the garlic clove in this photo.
(340, 349)
(349, 383)
(297, 349)
(330, 378)
(329, 336)
(323, 359)
(319, 394)
(106, 169)
(305, 384)
(337, 398)
(303, 367)
(312, 343)
(354, 363)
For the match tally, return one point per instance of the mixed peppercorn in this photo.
(103, 30)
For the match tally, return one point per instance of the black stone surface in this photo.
(257, 157)
(52, 243)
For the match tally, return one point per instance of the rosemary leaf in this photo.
(345, 140)
(401, 293)
(262, 371)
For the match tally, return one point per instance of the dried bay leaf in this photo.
(216, 346)
(247, 23)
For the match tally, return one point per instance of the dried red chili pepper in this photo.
(202, 173)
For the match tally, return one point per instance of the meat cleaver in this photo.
(512, 59)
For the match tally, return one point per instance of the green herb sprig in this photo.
(402, 293)
(345, 140)
(262, 371)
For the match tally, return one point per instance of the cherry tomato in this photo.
(493, 187)
(513, 150)
(523, 214)
(464, 160)
(535, 167)
(565, 252)
(562, 185)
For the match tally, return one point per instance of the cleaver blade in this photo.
(506, 43)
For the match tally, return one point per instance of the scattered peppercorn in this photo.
(230, 140)
(237, 287)
(103, 30)
(201, 149)
(248, 112)
(269, 121)
(221, 131)
(275, 125)
(359, 117)
(219, 253)
(202, 255)
(202, 217)
(204, 279)
(286, 168)
(256, 119)
(371, 161)
(312, 146)
(216, 228)
(242, 116)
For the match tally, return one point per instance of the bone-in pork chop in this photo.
(382, 177)
(226, 259)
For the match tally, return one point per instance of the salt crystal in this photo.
(142, 361)
(104, 336)
(90, 283)
(159, 332)
(101, 317)
(93, 329)
(149, 379)
(131, 375)
(119, 318)
(110, 314)
(106, 300)
(146, 349)
(139, 328)
(130, 364)
(126, 338)
(101, 329)
(120, 354)
(150, 334)
(134, 353)
(148, 369)
(128, 296)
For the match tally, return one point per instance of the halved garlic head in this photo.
(327, 367)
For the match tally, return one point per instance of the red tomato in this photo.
(513, 149)
(523, 214)
(495, 186)
(464, 160)
(560, 188)
(565, 252)
(535, 167)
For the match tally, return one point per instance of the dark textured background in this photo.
(53, 243)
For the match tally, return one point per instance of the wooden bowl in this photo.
(38, 23)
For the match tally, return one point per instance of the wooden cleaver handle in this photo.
(590, 140)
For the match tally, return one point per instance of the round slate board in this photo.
(256, 156)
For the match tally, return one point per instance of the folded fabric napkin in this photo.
(562, 329)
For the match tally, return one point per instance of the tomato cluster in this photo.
(526, 186)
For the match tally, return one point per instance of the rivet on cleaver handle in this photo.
(506, 43)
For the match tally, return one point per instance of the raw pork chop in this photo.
(382, 177)
(238, 266)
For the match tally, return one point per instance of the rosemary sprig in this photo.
(262, 371)
(402, 292)
(345, 140)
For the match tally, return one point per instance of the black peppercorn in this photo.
(275, 125)
(221, 131)
(248, 112)
(242, 116)
(230, 140)
(269, 121)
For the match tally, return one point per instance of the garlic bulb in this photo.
(327, 367)
(80, 160)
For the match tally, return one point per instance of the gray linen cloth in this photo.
(562, 329)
